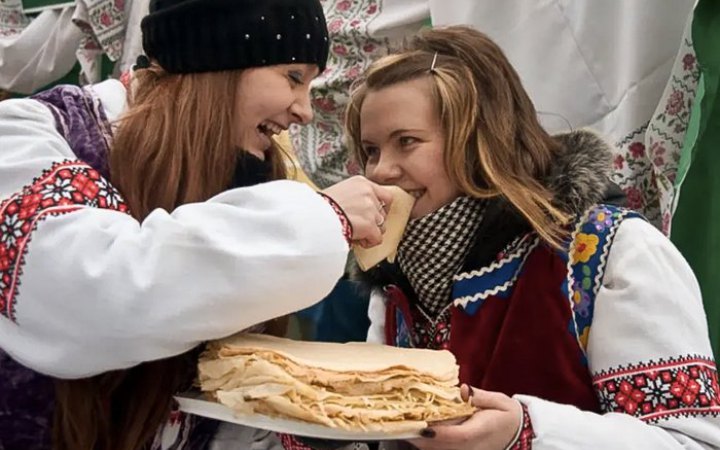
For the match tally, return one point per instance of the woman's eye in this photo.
(407, 140)
(296, 77)
(371, 151)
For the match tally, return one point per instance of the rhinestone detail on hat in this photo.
(161, 26)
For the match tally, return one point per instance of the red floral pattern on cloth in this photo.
(104, 22)
(429, 333)
(647, 159)
(64, 188)
(290, 443)
(12, 19)
(320, 147)
(651, 391)
(527, 434)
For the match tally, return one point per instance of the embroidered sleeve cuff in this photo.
(346, 225)
(523, 440)
(290, 443)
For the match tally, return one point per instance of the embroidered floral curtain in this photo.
(603, 65)
(37, 51)
(361, 31)
(633, 80)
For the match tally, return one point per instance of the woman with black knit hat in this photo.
(135, 226)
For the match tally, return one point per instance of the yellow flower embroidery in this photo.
(584, 337)
(577, 298)
(585, 247)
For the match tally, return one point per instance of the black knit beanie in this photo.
(190, 36)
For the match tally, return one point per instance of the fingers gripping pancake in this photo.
(395, 223)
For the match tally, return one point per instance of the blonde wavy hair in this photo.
(494, 144)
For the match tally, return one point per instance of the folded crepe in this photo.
(395, 223)
(356, 386)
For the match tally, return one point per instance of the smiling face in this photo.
(269, 100)
(402, 136)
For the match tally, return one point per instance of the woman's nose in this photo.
(385, 170)
(301, 109)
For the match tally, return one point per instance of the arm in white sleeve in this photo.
(649, 355)
(87, 290)
(376, 314)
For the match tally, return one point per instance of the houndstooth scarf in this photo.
(434, 248)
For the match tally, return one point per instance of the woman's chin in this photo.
(260, 154)
(418, 212)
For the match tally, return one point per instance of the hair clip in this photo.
(432, 66)
(142, 62)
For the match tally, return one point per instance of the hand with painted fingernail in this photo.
(495, 425)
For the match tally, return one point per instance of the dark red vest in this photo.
(520, 325)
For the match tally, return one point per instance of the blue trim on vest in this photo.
(588, 253)
(402, 333)
(471, 289)
(498, 277)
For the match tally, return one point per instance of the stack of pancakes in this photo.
(357, 386)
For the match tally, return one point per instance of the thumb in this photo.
(488, 400)
(383, 193)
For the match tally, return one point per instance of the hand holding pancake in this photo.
(365, 204)
(495, 425)
(392, 226)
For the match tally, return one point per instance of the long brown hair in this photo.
(175, 145)
(494, 144)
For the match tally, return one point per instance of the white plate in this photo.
(192, 404)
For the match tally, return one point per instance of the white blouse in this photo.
(88, 290)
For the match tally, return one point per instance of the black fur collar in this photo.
(580, 176)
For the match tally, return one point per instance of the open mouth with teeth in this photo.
(266, 131)
(270, 129)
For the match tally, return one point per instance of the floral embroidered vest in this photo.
(520, 325)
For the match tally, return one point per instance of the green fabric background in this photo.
(696, 223)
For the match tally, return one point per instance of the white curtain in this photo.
(623, 68)
(33, 54)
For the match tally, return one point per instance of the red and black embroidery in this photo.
(64, 188)
(527, 434)
(290, 443)
(686, 386)
(429, 333)
(347, 228)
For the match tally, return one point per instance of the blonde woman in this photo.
(576, 324)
